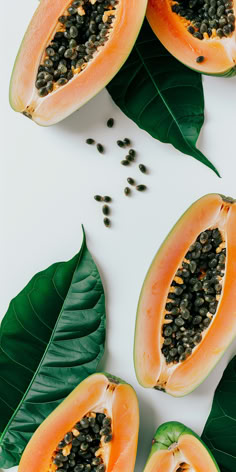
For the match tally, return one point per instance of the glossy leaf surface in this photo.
(220, 430)
(161, 95)
(51, 338)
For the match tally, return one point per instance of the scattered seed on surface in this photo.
(130, 181)
(125, 162)
(110, 123)
(141, 187)
(142, 168)
(120, 143)
(106, 210)
(90, 141)
(132, 152)
(100, 148)
(107, 199)
(127, 142)
(98, 198)
(127, 191)
(107, 221)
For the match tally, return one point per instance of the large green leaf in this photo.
(51, 338)
(220, 430)
(161, 95)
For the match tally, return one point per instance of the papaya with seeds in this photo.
(70, 51)
(94, 428)
(186, 315)
(177, 448)
(200, 34)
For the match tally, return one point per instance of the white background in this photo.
(48, 179)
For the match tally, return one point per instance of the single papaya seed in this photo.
(120, 143)
(100, 148)
(90, 141)
(106, 210)
(132, 152)
(107, 199)
(107, 222)
(142, 168)
(131, 181)
(110, 123)
(98, 198)
(141, 187)
(127, 191)
(127, 142)
(200, 59)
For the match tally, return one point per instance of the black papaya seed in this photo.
(106, 210)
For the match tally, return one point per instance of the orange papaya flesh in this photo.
(212, 55)
(177, 448)
(70, 51)
(186, 316)
(96, 424)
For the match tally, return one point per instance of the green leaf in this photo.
(220, 430)
(161, 95)
(51, 338)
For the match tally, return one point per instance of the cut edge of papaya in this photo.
(151, 369)
(219, 54)
(174, 444)
(65, 100)
(96, 391)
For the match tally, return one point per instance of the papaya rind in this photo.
(171, 31)
(52, 113)
(178, 222)
(141, 373)
(169, 433)
(66, 414)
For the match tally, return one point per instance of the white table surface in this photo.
(48, 179)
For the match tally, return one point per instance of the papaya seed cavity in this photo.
(193, 296)
(81, 448)
(82, 30)
(206, 19)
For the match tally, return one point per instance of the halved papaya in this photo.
(200, 33)
(94, 429)
(71, 50)
(177, 448)
(186, 316)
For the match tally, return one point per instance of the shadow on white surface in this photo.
(214, 377)
(147, 430)
(86, 118)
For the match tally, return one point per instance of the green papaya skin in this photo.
(168, 434)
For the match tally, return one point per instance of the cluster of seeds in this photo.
(83, 29)
(131, 181)
(79, 449)
(105, 209)
(129, 158)
(207, 18)
(193, 296)
(100, 146)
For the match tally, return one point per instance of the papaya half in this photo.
(186, 315)
(95, 429)
(199, 33)
(71, 50)
(177, 448)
